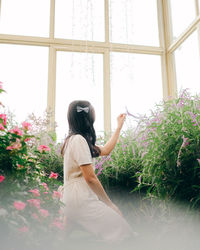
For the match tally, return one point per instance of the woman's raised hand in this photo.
(120, 120)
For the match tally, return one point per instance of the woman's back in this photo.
(76, 153)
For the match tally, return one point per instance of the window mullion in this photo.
(107, 92)
(51, 98)
(168, 61)
(52, 19)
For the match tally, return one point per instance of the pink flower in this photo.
(45, 186)
(34, 202)
(58, 224)
(27, 139)
(43, 148)
(1, 127)
(35, 216)
(44, 212)
(56, 194)
(19, 205)
(53, 175)
(1, 87)
(198, 161)
(23, 229)
(16, 131)
(3, 117)
(26, 125)
(1, 178)
(35, 192)
(16, 145)
(45, 192)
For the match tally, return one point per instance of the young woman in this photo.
(87, 204)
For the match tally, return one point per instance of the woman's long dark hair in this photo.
(82, 123)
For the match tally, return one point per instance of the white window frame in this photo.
(165, 50)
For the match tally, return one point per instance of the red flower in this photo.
(43, 148)
(56, 194)
(3, 117)
(34, 202)
(53, 175)
(16, 131)
(44, 212)
(35, 192)
(1, 127)
(1, 178)
(19, 205)
(26, 125)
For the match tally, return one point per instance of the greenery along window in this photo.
(25, 17)
(24, 72)
(188, 64)
(79, 77)
(134, 22)
(80, 19)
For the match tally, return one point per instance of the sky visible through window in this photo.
(136, 80)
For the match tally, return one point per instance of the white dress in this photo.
(81, 204)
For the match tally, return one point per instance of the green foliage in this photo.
(117, 171)
(30, 204)
(170, 166)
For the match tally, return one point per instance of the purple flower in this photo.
(180, 103)
(133, 150)
(143, 154)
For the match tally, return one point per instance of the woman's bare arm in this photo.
(109, 146)
(94, 183)
(97, 187)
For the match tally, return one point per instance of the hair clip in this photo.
(80, 109)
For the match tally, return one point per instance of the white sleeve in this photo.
(81, 150)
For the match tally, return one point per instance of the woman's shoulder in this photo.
(78, 139)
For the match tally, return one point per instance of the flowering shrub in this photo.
(30, 203)
(169, 142)
(161, 156)
(117, 171)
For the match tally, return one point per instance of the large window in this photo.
(188, 64)
(79, 77)
(24, 72)
(183, 13)
(25, 17)
(114, 53)
(136, 84)
(134, 22)
(80, 19)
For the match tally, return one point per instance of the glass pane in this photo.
(183, 13)
(187, 58)
(80, 19)
(199, 5)
(134, 22)
(79, 77)
(136, 83)
(25, 17)
(24, 72)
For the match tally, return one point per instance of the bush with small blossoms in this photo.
(30, 208)
(160, 157)
(169, 141)
(117, 170)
